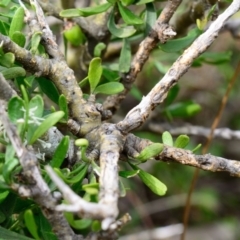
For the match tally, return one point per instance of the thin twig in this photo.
(161, 31)
(138, 115)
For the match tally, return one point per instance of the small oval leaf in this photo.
(150, 151)
(167, 138)
(182, 141)
(51, 120)
(109, 88)
(94, 72)
(31, 224)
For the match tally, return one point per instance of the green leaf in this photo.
(79, 177)
(81, 224)
(172, 94)
(3, 186)
(60, 152)
(77, 224)
(125, 57)
(51, 120)
(150, 151)
(144, 2)
(3, 196)
(30, 223)
(128, 174)
(8, 167)
(35, 41)
(75, 36)
(153, 183)
(94, 72)
(197, 147)
(4, 3)
(7, 234)
(167, 138)
(109, 88)
(70, 13)
(4, 28)
(150, 18)
(127, 2)
(17, 22)
(85, 12)
(128, 16)
(122, 190)
(183, 109)
(15, 109)
(46, 229)
(63, 105)
(215, 57)
(48, 88)
(182, 141)
(7, 60)
(179, 44)
(19, 38)
(120, 32)
(98, 49)
(13, 72)
(36, 104)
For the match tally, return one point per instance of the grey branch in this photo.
(161, 31)
(207, 162)
(6, 91)
(37, 188)
(221, 133)
(138, 115)
(111, 144)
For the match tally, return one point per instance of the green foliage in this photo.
(153, 183)
(32, 113)
(85, 12)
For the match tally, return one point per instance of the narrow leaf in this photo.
(150, 18)
(179, 44)
(60, 153)
(15, 109)
(120, 32)
(109, 88)
(167, 138)
(150, 151)
(125, 57)
(85, 12)
(51, 120)
(7, 234)
(30, 223)
(35, 41)
(62, 102)
(17, 22)
(153, 183)
(48, 88)
(94, 72)
(128, 16)
(128, 174)
(13, 72)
